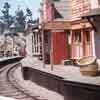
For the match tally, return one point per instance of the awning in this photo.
(91, 13)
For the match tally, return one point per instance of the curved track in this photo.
(7, 88)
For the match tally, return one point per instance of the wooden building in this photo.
(82, 35)
(55, 27)
(36, 41)
(93, 17)
(33, 40)
(82, 29)
(66, 35)
(55, 41)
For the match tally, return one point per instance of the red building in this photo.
(66, 35)
(55, 38)
(55, 41)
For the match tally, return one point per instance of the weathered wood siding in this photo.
(47, 11)
(79, 7)
(77, 51)
(63, 7)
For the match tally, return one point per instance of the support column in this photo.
(72, 46)
(83, 43)
(39, 43)
(51, 51)
(35, 42)
(43, 46)
(93, 43)
(71, 43)
(12, 46)
(33, 45)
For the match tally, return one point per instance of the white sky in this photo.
(32, 4)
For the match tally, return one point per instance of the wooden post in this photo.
(32, 44)
(71, 44)
(91, 42)
(12, 45)
(43, 46)
(83, 42)
(51, 52)
(38, 44)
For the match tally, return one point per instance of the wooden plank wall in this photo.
(64, 8)
(80, 7)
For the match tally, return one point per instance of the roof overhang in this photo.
(92, 13)
(91, 16)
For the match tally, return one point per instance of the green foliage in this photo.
(20, 20)
(7, 18)
(29, 13)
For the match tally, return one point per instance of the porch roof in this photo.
(91, 13)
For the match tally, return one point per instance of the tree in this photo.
(7, 18)
(20, 20)
(29, 19)
(29, 15)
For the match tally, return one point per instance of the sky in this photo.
(34, 5)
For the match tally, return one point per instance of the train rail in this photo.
(7, 85)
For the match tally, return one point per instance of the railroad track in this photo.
(7, 88)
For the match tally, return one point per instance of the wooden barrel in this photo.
(86, 61)
(89, 70)
(88, 66)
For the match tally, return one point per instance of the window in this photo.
(68, 37)
(77, 36)
(87, 36)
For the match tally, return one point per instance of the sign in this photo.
(58, 25)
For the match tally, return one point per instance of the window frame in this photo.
(77, 37)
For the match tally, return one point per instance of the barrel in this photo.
(88, 66)
(89, 70)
